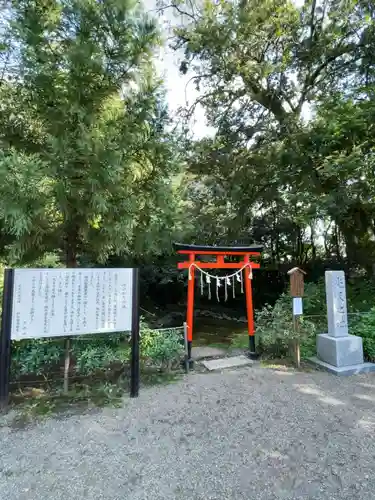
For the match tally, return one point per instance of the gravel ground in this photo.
(253, 433)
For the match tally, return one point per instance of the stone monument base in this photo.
(344, 370)
(339, 351)
(341, 355)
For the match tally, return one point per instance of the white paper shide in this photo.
(63, 302)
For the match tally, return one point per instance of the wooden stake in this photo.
(297, 350)
(186, 348)
(67, 365)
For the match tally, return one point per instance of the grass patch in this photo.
(285, 364)
(154, 378)
(281, 364)
(30, 405)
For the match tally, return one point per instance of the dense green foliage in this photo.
(86, 162)
(275, 323)
(93, 171)
(276, 332)
(161, 350)
(365, 328)
(86, 145)
(289, 88)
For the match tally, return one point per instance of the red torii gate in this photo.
(219, 252)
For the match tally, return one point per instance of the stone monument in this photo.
(337, 351)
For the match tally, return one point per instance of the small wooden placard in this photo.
(297, 278)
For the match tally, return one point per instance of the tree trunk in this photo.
(337, 243)
(277, 248)
(327, 238)
(354, 222)
(357, 228)
(312, 242)
(70, 262)
(299, 246)
(71, 249)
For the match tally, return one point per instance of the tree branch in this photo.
(177, 8)
(195, 77)
(265, 98)
(182, 12)
(312, 24)
(312, 77)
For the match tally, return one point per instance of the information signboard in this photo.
(67, 302)
(41, 303)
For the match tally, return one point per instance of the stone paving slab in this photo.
(207, 352)
(232, 362)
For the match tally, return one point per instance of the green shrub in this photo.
(314, 298)
(161, 349)
(276, 332)
(94, 358)
(365, 327)
(35, 356)
(274, 325)
(360, 295)
(99, 352)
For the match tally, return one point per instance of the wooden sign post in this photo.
(297, 277)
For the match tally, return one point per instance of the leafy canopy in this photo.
(86, 159)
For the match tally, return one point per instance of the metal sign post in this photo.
(6, 328)
(134, 365)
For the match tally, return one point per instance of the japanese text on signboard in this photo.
(58, 302)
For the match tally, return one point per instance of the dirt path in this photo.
(247, 434)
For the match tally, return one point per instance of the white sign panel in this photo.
(297, 306)
(336, 304)
(63, 302)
